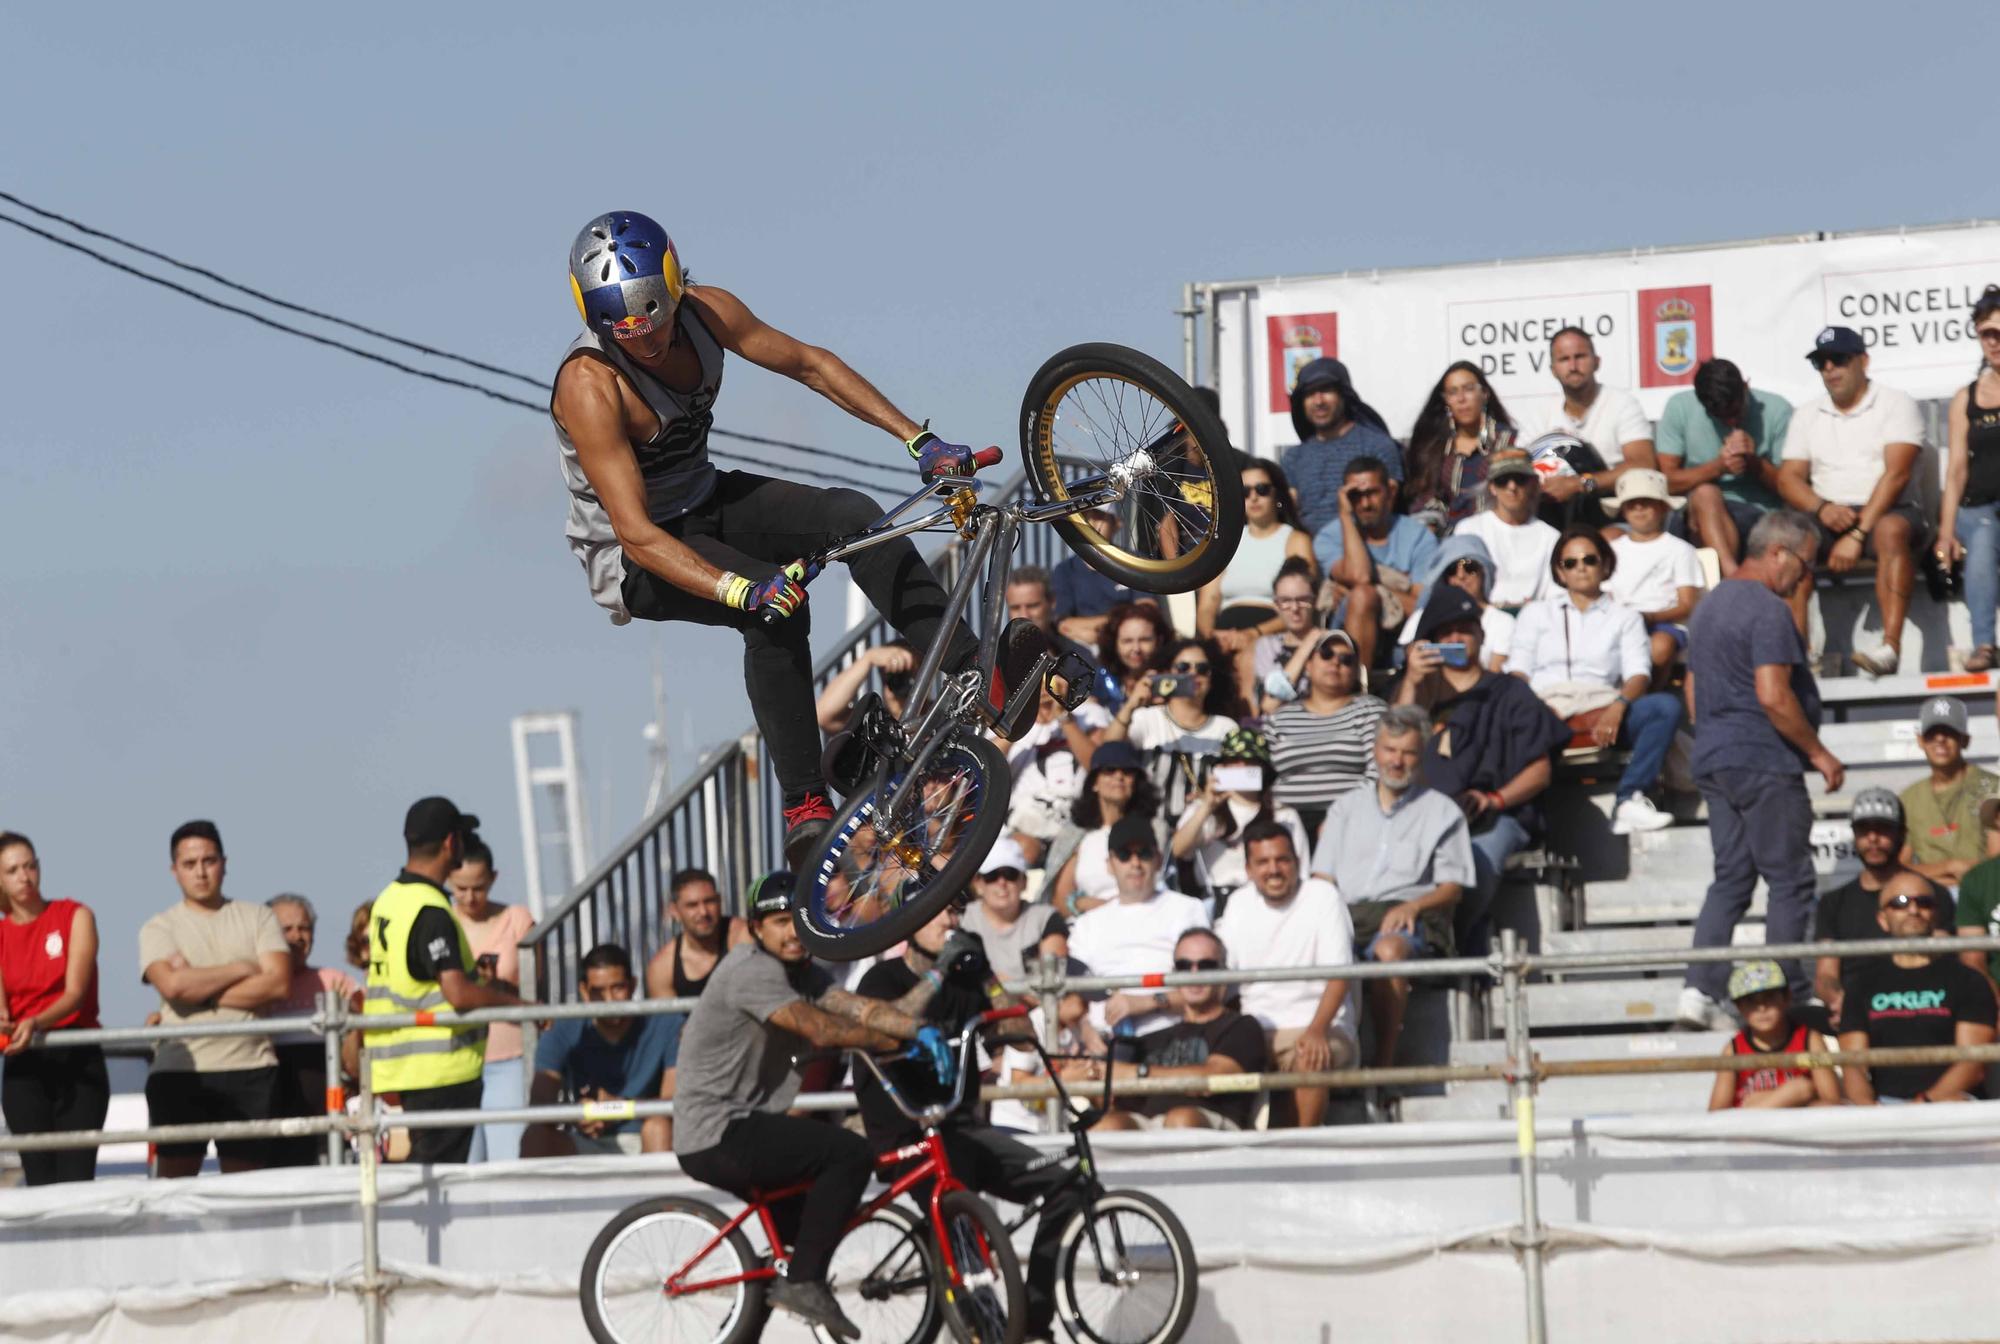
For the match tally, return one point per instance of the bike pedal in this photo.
(1024, 659)
(1018, 715)
(1078, 674)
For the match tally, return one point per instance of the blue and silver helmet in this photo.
(625, 275)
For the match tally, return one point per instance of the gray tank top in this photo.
(673, 463)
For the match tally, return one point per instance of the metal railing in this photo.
(726, 817)
(1509, 967)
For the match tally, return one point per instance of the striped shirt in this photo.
(1319, 757)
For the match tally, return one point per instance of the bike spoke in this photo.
(1102, 425)
(633, 1297)
(1126, 1279)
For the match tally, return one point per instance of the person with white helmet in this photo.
(664, 535)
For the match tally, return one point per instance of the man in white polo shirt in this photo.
(1607, 418)
(1849, 456)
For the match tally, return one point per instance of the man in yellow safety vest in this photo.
(420, 962)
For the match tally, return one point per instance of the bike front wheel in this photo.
(1125, 1272)
(643, 1284)
(1101, 419)
(884, 1275)
(984, 1298)
(876, 879)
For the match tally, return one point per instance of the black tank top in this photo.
(1982, 449)
(685, 987)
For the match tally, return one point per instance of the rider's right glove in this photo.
(784, 592)
(962, 959)
(937, 458)
(931, 1047)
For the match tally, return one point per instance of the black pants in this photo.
(762, 1152)
(753, 525)
(46, 1091)
(301, 1092)
(429, 1146)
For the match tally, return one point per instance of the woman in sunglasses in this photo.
(1588, 657)
(1323, 743)
(1235, 608)
(1179, 716)
(1969, 524)
(1115, 788)
(1463, 562)
(1458, 429)
(1238, 793)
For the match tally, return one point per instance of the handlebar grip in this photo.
(992, 1015)
(987, 457)
(5, 1040)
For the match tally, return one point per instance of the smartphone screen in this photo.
(1238, 778)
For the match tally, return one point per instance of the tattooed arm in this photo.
(825, 1031)
(897, 1017)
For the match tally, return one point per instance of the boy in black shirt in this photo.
(1914, 1000)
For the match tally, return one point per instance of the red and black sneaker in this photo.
(805, 826)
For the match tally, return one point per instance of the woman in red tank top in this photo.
(1765, 1005)
(48, 981)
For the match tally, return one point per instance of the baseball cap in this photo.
(770, 894)
(1006, 853)
(1510, 462)
(1446, 605)
(1754, 977)
(1942, 711)
(1836, 341)
(430, 820)
(1642, 483)
(1131, 831)
(1116, 756)
(1876, 805)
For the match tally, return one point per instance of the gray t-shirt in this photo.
(1008, 950)
(732, 1063)
(1739, 627)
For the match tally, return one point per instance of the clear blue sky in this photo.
(249, 579)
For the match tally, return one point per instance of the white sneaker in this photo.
(1698, 1012)
(1637, 813)
(1880, 662)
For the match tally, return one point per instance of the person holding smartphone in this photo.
(1238, 793)
(1179, 715)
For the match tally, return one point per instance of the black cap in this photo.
(770, 894)
(1326, 371)
(1117, 756)
(1131, 831)
(430, 820)
(1447, 604)
(1836, 341)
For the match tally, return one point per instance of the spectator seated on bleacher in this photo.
(1210, 1039)
(1720, 447)
(1372, 554)
(1177, 718)
(1334, 426)
(1585, 654)
(1463, 561)
(1320, 743)
(1135, 644)
(1850, 912)
(1209, 841)
(1078, 859)
(605, 1059)
(1489, 750)
(1235, 608)
(1277, 919)
(1462, 423)
(1048, 762)
(1013, 931)
(1942, 813)
(1279, 672)
(1031, 597)
(1915, 1000)
(897, 662)
(1134, 933)
(1606, 420)
(1519, 542)
(1400, 855)
(1657, 575)
(1764, 1002)
(1083, 599)
(1978, 914)
(1849, 460)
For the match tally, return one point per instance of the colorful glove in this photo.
(931, 1047)
(937, 458)
(783, 593)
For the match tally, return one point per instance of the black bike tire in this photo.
(958, 1203)
(750, 1317)
(917, 1230)
(1187, 1272)
(836, 944)
(1080, 361)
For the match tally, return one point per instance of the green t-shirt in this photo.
(1688, 432)
(1979, 905)
(1945, 826)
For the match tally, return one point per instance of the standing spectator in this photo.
(1197, 702)
(1849, 459)
(420, 962)
(1211, 1039)
(1945, 838)
(1012, 931)
(1214, 831)
(1235, 608)
(1278, 919)
(212, 960)
(1764, 1003)
(1136, 643)
(1720, 447)
(1371, 554)
(1401, 856)
(1847, 913)
(1451, 444)
(1319, 744)
(1084, 599)
(1463, 561)
(1657, 575)
(1969, 524)
(356, 946)
(1490, 750)
(1756, 730)
(1519, 542)
(1606, 418)
(1294, 594)
(1585, 655)
(495, 932)
(302, 1080)
(1334, 427)
(1117, 787)
(1915, 999)
(605, 1059)
(1134, 933)
(48, 981)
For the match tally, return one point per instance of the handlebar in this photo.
(961, 1047)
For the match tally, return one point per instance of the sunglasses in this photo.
(1131, 852)
(1004, 875)
(1581, 561)
(1513, 482)
(1990, 335)
(1465, 567)
(1262, 489)
(1192, 669)
(1333, 653)
(1905, 902)
(1837, 361)
(1197, 964)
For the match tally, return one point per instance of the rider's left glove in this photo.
(937, 458)
(931, 1046)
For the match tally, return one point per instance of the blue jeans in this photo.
(1979, 532)
(1648, 730)
(1759, 825)
(506, 1090)
(1491, 848)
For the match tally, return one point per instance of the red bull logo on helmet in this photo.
(635, 325)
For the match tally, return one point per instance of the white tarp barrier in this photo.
(1654, 315)
(1836, 1224)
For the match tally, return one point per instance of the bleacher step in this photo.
(1595, 1003)
(1638, 938)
